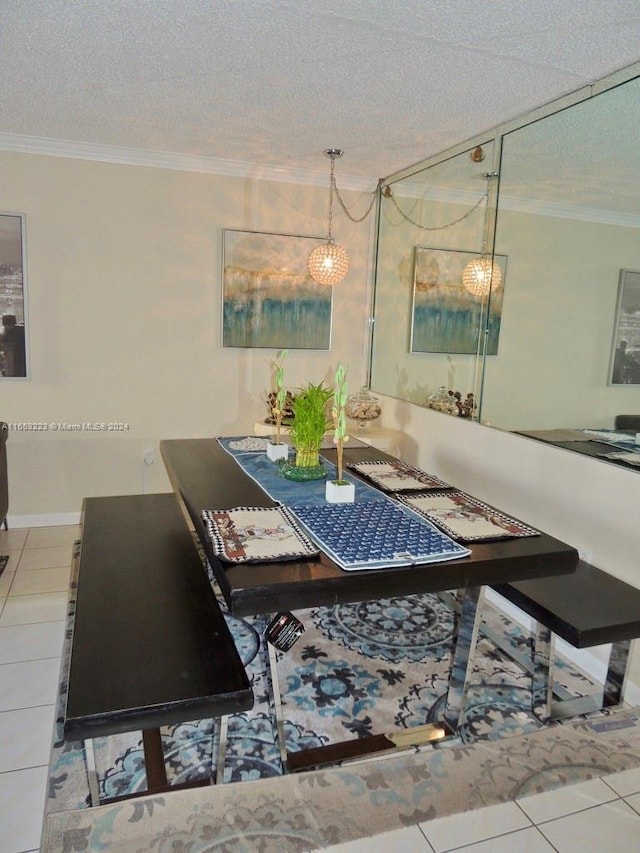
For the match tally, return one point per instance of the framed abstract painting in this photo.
(269, 299)
(445, 316)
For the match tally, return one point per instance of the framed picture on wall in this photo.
(445, 316)
(625, 351)
(13, 331)
(269, 299)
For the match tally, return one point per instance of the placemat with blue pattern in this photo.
(374, 532)
(375, 535)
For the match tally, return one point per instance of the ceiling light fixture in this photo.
(481, 276)
(329, 263)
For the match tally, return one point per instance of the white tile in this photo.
(521, 841)
(50, 537)
(395, 841)
(469, 827)
(610, 828)
(22, 797)
(563, 801)
(30, 683)
(6, 579)
(26, 737)
(13, 540)
(41, 580)
(28, 609)
(46, 558)
(31, 642)
(634, 801)
(8, 574)
(625, 782)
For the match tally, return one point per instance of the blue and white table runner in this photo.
(373, 532)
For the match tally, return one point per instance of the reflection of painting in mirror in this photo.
(445, 316)
(625, 355)
(13, 346)
(269, 298)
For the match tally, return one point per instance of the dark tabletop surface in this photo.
(206, 477)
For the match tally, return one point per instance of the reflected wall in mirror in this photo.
(569, 220)
(427, 220)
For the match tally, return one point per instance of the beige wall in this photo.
(124, 281)
(558, 317)
(590, 504)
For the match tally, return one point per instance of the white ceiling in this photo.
(269, 84)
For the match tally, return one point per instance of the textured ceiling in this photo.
(272, 83)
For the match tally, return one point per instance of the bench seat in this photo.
(150, 645)
(588, 607)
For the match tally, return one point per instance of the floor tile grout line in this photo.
(629, 794)
(543, 836)
(30, 660)
(20, 769)
(430, 846)
(636, 809)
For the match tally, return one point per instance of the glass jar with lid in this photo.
(363, 407)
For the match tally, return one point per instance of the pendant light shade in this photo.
(480, 276)
(329, 263)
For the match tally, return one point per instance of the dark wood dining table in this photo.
(204, 476)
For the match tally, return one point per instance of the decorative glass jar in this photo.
(439, 399)
(363, 407)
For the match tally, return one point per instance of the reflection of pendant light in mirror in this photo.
(329, 263)
(480, 276)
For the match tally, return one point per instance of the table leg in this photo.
(616, 680)
(542, 675)
(462, 656)
(154, 761)
(277, 704)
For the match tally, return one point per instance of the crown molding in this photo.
(47, 146)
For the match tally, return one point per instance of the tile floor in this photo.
(599, 816)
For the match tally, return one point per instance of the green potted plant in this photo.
(340, 490)
(277, 449)
(310, 422)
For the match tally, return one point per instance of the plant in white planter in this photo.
(340, 490)
(278, 449)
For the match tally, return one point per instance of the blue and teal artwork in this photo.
(446, 317)
(269, 298)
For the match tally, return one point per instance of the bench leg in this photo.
(92, 772)
(616, 680)
(222, 749)
(542, 672)
(463, 654)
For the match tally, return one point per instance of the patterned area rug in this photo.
(359, 669)
(4, 559)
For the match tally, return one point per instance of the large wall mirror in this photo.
(428, 329)
(565, 228)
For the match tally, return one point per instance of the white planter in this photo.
(339, 493)
(277, 451)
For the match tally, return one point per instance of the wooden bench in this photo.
(586, 608)
(150, 645)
